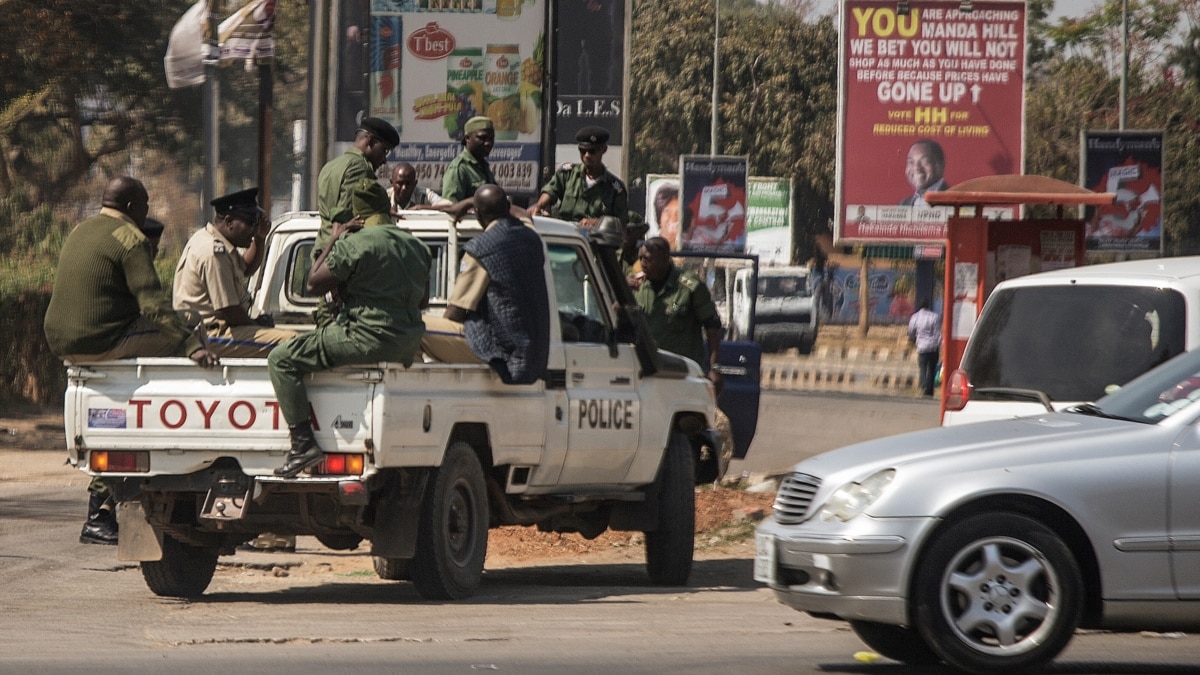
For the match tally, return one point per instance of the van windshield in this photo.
(1072, 342)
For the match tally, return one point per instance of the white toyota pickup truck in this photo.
(421, 461)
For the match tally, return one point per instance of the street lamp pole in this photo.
(1124, 62)
(716, 72)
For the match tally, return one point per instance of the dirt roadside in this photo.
(724, 518)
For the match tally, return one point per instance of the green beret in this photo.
(370, 201)
(478, 124)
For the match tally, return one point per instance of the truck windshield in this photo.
(782, 287)
(1073, 342)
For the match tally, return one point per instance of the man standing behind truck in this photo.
(385, 273)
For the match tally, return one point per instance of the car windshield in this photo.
(1155, 396)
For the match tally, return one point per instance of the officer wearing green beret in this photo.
(469, 171)
(585, 191)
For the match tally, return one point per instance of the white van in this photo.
(1055, 339)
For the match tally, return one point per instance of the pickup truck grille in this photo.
(795, 497)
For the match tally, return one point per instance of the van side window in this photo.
(580, 308)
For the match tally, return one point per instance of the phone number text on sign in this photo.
(512, 176)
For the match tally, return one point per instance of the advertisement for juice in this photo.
(460, 59)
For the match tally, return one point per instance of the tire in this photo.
(392, 569)
(184, 571)
(453, 528)
(340, 542)
(998, 592)
(895, 642)
(669, 549)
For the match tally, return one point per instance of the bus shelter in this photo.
(981, 252)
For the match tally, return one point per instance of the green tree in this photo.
(777, 102)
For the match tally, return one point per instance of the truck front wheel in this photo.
(453, 528)
(669, 549)
(184, 571)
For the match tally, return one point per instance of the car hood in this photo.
(1002, 443)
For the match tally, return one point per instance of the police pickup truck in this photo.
(422, 461)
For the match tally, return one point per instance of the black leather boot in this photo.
(304, 453)
(101, 524)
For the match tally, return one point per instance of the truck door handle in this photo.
(577, 376)
(734, 371)
(619, 380)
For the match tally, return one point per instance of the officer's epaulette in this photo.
(218, 246)
(689, 281)
(566, 166)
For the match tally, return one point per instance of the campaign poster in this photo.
(713, 203)
(432, 65)
(1128, 164)
(929, 98)
(769, 220)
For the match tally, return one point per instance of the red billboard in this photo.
(930, 96)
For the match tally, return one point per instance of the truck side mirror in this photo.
(608, 231)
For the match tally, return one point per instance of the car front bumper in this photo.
(855, 570)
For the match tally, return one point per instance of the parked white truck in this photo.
(421, 461)
(784, 309)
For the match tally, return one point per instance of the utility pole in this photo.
(211, 101)
(1124, 63)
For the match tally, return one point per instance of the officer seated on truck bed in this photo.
(499, 310)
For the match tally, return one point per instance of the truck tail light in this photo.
(340, 464)
(119, 461)
(958, 390)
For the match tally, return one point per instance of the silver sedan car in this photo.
(984, 546)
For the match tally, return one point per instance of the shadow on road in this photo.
(541, 584)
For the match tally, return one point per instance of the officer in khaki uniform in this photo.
(210, 279)
(585, 191)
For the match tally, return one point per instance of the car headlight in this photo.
(852, 499)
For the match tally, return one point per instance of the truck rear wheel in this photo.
(669, 549)
(392, 569)
(453, 528)
(184, 571)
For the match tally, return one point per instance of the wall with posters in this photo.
(713, 203)
(434, 64)
(927, 100)
(891, 294)
(1128, 164)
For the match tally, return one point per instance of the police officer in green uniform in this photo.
(585, 191)
(470, 170)
(384, 273)
(678, 308)
(373, 142)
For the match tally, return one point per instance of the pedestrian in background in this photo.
(925, 332)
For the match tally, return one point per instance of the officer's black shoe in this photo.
(304, 453)
(101, 525)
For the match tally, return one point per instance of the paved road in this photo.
(67, 607)
(794, 425)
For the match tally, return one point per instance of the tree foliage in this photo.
(777, 103)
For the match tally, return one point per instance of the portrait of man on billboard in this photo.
(925, 169)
